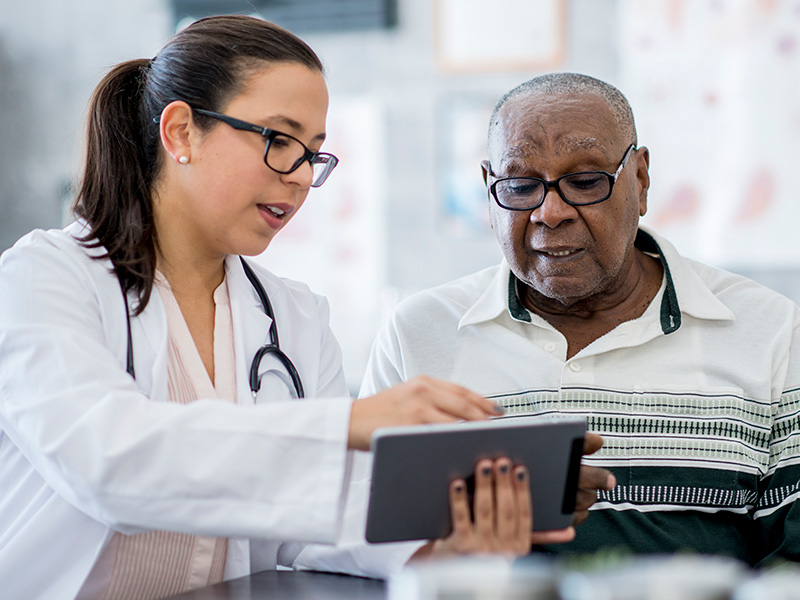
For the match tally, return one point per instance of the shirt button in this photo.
(574, 367)
(549, 346)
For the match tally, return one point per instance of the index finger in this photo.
(553, 536)
(596, 478)
(592, 442)
(466, 404)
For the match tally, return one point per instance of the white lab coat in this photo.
(85, 450)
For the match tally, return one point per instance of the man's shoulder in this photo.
(456, 295)
(741, 294)
(737, 290)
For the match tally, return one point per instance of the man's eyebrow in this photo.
(572, 144)
(522, 150)
(294, 125)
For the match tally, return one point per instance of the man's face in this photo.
(570, 255)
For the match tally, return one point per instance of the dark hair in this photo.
(205, 65)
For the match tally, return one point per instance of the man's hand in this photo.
(590, 480)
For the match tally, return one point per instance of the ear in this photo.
(485, 168)
(176, 128)
(643, 177)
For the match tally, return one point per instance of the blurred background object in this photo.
(712, 83)
(606, 576)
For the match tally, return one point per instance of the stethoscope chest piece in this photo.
(272, 348)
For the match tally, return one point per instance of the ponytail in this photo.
(114, 193)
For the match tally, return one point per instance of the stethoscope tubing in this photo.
(272, 348)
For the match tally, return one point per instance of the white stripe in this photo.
(784, 462)
(704, 463)
(768, 511)
(666, 508)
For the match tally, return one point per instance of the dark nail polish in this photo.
(504, 469)
(458, 487)
(521, 475)
(486, 471)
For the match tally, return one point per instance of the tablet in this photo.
(413, 466)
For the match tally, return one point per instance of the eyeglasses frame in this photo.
(269, 135)
(548, 185)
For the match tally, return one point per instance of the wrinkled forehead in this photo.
(533, 123)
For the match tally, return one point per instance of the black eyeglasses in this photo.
(576, 189)
(283, 153)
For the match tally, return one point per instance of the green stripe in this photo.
(662, 532)
(515, 306)
(721, 431)
(670, 309)
(755, 412)
(684, 487)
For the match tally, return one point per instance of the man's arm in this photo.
(776, 515)
(384, 367)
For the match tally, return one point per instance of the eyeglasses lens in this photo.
(577, 188)
(323, 165)
(284, 154)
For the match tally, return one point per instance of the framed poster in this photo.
(512, 35)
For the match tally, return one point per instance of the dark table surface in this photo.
(292, 585)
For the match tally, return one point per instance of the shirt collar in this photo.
(497, 298)
(685, 292)
(690, 294)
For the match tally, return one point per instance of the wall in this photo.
(52, 54)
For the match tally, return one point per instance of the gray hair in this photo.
(573, 84)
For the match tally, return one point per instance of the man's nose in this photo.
(553, 210)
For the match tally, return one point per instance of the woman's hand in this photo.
(418, 401)
(590, 480)
(503, 516)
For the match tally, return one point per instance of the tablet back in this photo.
(413, 467)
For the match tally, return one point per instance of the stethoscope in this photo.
(273, 347)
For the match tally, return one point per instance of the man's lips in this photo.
(559, 252)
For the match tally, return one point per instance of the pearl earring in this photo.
(183, 159)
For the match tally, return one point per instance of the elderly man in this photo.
(690, 373)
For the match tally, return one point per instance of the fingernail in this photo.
(611, 482)
(486, 471)
(499, 410)
(521, 475)
(504, 468)
(458, 487)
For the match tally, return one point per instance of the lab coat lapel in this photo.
(250, 324)
(149, 334)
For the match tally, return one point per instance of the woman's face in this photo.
(229, 201)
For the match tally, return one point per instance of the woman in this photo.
(141, 389)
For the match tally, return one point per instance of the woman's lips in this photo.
(275, 215)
